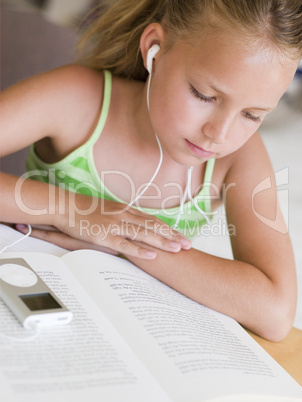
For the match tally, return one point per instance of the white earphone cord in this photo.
(187, 191)
(36, 333)
(17, 241)
(160, 154)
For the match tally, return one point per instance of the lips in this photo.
(198, 151)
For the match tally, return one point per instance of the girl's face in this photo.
(208, 99)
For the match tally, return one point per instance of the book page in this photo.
(16, 241)
(195, 353)
(83, 360)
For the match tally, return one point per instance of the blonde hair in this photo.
(112, 40)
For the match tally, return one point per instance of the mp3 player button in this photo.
(17, 275)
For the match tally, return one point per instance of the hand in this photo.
(112, 227)
(52, 235)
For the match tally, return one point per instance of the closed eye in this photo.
(200, 96)
(210, 99)
(256, 119)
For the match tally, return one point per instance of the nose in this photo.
(217, 127)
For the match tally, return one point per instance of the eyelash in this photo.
(198, 95)
(253, 118)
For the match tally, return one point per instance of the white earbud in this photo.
(150, 56)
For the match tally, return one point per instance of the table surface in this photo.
(288, 353)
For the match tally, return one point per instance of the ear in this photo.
(153, 34)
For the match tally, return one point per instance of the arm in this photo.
(258, 287)
(79, 221)
(52, 106)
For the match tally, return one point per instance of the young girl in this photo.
(161, 128)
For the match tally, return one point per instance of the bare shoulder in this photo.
(251, 200)
(250, 161)
(261, 236)
(66, 101)
(242, 169)
(75, 93)
(78, 98)
(65, 81)
(74, 79)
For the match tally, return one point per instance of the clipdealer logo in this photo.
(277, 222)
(281, 179)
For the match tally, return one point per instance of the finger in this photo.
(62, 240)
(142, 234)
(116, 244)
(127, 247)
(45, 227)
(159, 227)
(130, 231)
(116, 238)
(140, 217)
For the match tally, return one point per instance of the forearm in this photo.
(33, 202)
(234, 288)
(93, 222)
(27, 201)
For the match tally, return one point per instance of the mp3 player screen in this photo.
(40, 301)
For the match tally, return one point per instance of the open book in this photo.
(132, 339)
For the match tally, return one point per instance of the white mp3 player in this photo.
(28, 297)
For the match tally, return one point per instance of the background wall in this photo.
(30, 44)
(60, 11)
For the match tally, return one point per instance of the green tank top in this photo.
(77, 172)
